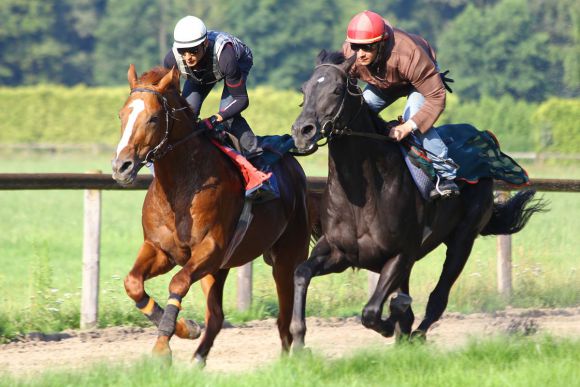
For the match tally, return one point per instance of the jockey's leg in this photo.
(436, 150)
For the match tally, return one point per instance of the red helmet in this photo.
(366, 27)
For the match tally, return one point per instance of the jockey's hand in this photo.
(399, 132)
(209, 123)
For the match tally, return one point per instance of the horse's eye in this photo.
(337, 90)
(153, 120)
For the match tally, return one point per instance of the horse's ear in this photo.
(132, 76)
(347, 64)
(321, 55)
(171, 78)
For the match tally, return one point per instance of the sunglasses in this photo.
(191, 50)
(364, 47)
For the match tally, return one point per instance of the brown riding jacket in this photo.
(410, 64)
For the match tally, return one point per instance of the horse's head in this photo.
(146, 120)
(324, 107)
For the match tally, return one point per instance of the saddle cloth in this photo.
(274, 149)
(478, 155)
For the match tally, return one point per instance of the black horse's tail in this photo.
(511, 216)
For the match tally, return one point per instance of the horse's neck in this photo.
(358, 163)
(191, 164)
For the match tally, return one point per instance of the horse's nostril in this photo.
(308, 130)
(126, 165)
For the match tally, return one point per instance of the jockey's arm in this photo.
(235, 83)
(425, 77)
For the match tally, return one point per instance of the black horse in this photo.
(372, 214)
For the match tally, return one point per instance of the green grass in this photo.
(41, 258)
(505, 361)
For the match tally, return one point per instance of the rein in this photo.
(158, 152)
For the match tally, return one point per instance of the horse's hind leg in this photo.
(319, 263)
(213, 288)
(151, 262)
(393, 276)
(458, 250)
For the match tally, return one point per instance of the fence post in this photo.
(504, 258)
(91, 257)
(245, 287)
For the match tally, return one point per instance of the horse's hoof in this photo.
(187, 329)
(418, 336)
(301, 350)
(162, 352)
(198, 361)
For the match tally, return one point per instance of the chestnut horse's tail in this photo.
(313, 201)
(511, 216)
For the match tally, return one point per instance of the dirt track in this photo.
(255, 344)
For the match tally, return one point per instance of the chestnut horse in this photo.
(191, 212)
(372, 214)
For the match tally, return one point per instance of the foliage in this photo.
(495, 51)
(56, 114)
(557, 129)
(509, 119)
(525, 49)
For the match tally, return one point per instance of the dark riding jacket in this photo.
(226, 58)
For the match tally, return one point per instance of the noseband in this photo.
(159, 151)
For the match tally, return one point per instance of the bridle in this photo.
(331, 128)
(163, 148)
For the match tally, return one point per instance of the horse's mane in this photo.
(337, 57)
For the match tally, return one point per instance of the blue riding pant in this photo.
(377, 101)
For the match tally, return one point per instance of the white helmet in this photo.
(189, 32)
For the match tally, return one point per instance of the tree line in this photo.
(527, 49)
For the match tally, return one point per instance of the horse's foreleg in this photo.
(151, 262)
(393, 274)
(213, 288)
(197, 267)
(458, 251)
(401, 312)
(318, 264)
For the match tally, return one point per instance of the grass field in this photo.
(41, 258)
(508, 361)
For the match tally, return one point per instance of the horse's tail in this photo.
(511, 216)
(313, 201)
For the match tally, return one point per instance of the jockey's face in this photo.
(193, 55)
(365, 53)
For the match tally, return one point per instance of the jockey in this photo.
(397, 64)
(206, 57)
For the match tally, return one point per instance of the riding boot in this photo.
(444, 189)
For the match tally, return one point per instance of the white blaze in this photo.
(137, 107)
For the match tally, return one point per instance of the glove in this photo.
(446, 80)
(209, 123)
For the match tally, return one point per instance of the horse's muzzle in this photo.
(125, 170)
(304, 136)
